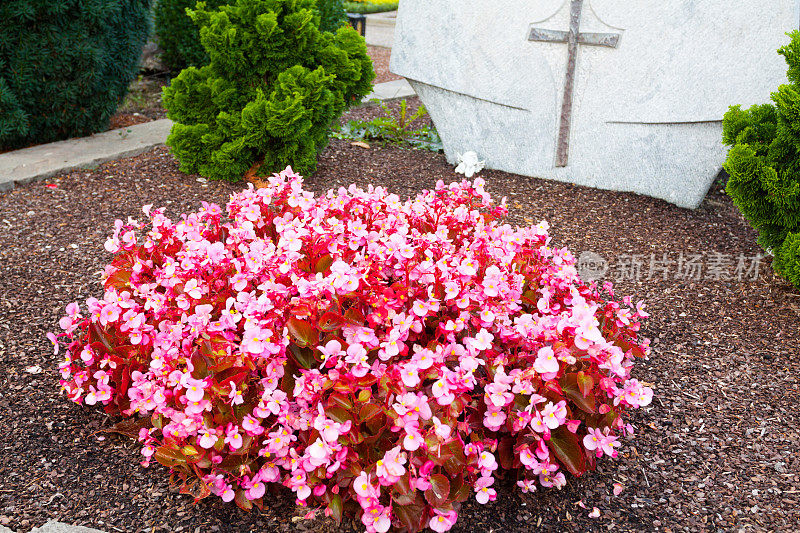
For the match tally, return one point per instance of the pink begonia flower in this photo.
(442, 521)
(233, 438)
(555, 415)
(442, 430)
(494, 418)
(441, 391)
(228, 494)
(332, 349)
(527, 458)
(546, 362)
(207, 440)
(486, 462)
(256, 341)
(377, 519)
(410, 375)
(482, 341)
(391, 466)
(483, 493)
(252, 426)
(634, 394)
(413, 439)
(527, 485)
(558, 480)
(52, 338)
(235, 396)
(195, 389)
(255, 490)
(363, 486)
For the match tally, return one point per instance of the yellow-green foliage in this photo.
(273, 86)
(764, 166)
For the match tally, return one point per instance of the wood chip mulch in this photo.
(716, 450)
(380, 62)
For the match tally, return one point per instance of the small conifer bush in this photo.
(272, 88)
(764, 167)
(65, 65)
(179, 36)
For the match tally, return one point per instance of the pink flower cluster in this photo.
(381, 358)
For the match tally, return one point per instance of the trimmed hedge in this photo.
(179, 37)
(273, 86)
(65, 65)
(366, 7)
(764, 167)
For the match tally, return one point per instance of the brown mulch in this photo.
(716, 450)
(124, 120)
(380, 62)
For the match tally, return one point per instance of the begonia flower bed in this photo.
(379, 358)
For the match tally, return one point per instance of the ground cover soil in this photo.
(716, 450)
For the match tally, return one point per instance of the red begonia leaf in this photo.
(564, 444)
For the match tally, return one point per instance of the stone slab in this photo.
(4, 529)
(43, 161)
(54, 526)
(646, 115)
(380, 29)
(390, 90)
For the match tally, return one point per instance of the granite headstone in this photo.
(625, 95)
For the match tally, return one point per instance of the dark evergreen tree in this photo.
(178, 36)
(764, 167)
(65, 65)
(272, 88)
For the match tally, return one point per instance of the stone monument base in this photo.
(676, 162)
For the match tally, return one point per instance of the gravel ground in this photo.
(717, 449)
(380, 62)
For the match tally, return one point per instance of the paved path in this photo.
(41, 162)
(380, 29)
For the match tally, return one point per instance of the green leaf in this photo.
(585, 383)
(324, 263)
(564, 444)
(413, 515)
(369, 411)
(337, 414)
(330, 321)
(571, 389)
(302, 331)
(439, 491)
(168, 456)
(303, 357)
(335, 505)
(242, 501)
(459, 490)
(340, 400)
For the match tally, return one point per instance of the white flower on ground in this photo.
(468, 164)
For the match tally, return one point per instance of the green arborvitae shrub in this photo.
(65, 65)
(178, 36)
(274, 85)
(764, 167)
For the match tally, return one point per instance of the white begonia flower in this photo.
(468, 164)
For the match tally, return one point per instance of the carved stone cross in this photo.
(573, 38)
